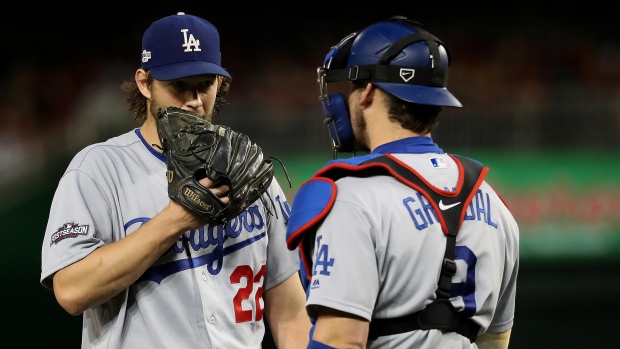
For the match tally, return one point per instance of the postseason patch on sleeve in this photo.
(438, 163)
(68, 230)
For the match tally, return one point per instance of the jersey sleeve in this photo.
(79, 214)
(504, 313)
(344, 272)
(281, 262)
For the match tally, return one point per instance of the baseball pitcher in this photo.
(172, 235)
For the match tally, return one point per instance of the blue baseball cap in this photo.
(398, 56)
(181, 45)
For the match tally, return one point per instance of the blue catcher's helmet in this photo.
(396, 55)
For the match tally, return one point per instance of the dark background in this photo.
(532, 75)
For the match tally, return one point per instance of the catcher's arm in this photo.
(493, 341)
(340, 329)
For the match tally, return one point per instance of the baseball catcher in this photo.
(195, 148)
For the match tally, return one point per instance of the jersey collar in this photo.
(410, 145)
(157, 154)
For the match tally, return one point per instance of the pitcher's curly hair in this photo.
(137, 102)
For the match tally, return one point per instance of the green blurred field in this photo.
(567, 203)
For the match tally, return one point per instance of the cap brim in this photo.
(421, 94)
(185, 69)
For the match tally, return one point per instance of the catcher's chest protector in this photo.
(302, 230)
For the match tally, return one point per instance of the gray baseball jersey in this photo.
(378, 251)
(204, 292)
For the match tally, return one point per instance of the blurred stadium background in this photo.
(540, 84)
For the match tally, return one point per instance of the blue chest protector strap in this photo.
(450, 209)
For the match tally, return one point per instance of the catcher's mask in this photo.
(396, 55)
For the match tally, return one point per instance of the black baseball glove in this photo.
(195, 148)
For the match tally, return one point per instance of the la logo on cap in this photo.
(191, 42)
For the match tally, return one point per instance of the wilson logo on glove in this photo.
(192, 196)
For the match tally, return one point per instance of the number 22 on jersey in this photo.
(245, 274)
